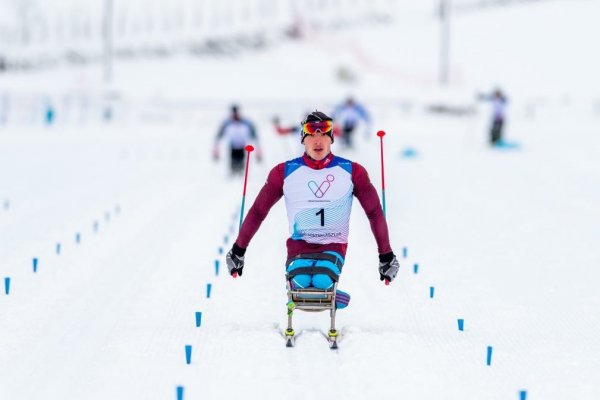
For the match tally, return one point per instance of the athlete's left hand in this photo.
(235, 260)
(388, 266)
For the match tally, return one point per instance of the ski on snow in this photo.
(290, 338)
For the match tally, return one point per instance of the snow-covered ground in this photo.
(508, 238)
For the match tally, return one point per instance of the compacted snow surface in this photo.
(508, 237)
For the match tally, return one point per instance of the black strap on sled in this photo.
(313, 269)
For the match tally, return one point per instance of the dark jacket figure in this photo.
(498, 101)
(238, 132)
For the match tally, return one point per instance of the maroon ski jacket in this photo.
(272, 191)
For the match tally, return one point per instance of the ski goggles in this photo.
(311, 128)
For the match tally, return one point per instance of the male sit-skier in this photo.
(318, 189)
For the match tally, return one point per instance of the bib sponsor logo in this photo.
(319, 190)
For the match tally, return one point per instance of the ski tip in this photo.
(387, 282)
(235, 274)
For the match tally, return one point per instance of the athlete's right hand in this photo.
(235, 260)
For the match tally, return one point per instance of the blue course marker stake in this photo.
(96, 226)
(77, 238)
(208, 289)
(523, 395)
(179, 392)
(6, 204)
(7, 285)
(188, 353)
(461, 324)
(35, 264)
(226, 239)
(416, 268)
(217, 267)
(431, 291)
(489, 355)
(220, 250)
(404, 252)
(58, 248)
(231, 229)
(198, 319)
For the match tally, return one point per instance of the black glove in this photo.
(235, 260)
(388, 266)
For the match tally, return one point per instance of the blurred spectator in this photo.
(498, 101)
(348, 116)
(238, 132)
(285, 130)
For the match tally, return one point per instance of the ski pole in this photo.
(249, 148)
(381, 134)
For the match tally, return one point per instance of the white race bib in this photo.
(318, 202)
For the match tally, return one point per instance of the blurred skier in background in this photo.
(288, 134)
(348, 116)
(238, 132)
(318, 189)
(498, 101)
(4, 108)
(284, 130)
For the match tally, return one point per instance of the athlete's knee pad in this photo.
(301, 281)
(322, 281)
